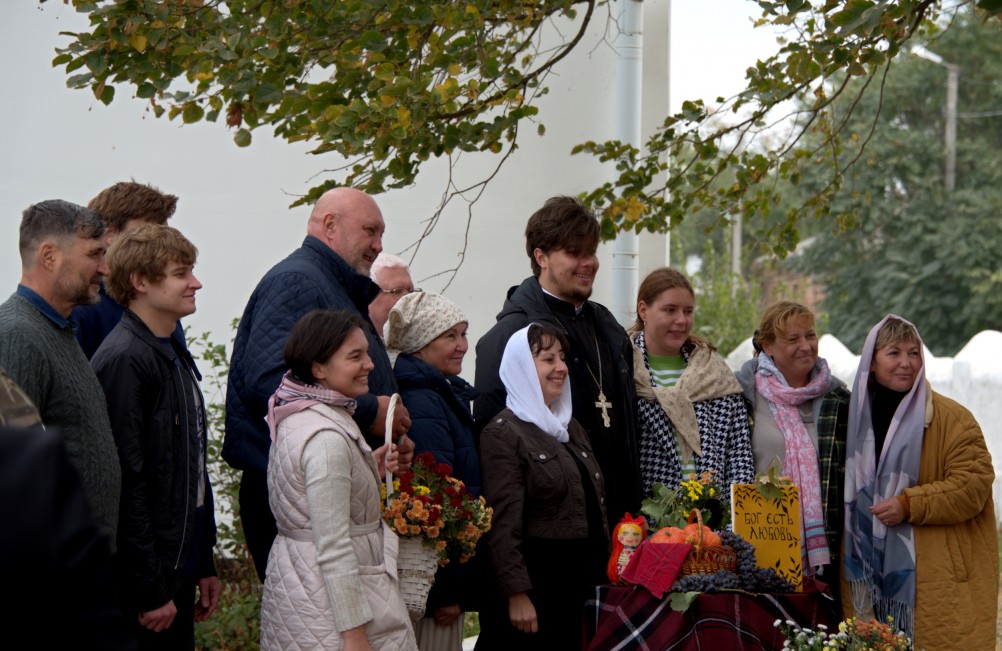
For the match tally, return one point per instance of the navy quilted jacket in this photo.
(441, 423)
(440, 417)
(312, 277)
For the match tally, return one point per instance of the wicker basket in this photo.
(416, 566)
(704, 559)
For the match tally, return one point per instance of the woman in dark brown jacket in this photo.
(550, 541)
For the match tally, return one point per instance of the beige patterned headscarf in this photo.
(417, 319)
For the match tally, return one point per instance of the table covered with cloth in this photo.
(630, 617)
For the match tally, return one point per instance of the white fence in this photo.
(973, 378)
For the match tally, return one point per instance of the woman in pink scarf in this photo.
(800, 413)
(332, 576)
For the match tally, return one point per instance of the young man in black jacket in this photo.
(166, 523)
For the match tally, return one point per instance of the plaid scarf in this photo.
(801, 459)
(292, 396)
(878, 563)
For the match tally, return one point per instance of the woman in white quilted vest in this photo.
(332, 581)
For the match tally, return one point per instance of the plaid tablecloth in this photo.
(622, 618)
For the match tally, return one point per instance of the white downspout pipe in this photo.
(629, 47)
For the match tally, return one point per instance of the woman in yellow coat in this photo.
(920, 543)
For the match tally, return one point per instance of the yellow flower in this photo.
(421, 490)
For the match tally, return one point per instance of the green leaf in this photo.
(991, 6)
(107, 95)
(680, 601)
(192, 113)
(242, 138)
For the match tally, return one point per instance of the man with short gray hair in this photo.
(62, 264)
(394, 280)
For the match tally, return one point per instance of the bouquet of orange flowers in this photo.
(429, 503)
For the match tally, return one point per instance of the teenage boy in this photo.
(166, 524)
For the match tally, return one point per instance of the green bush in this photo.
(237, 621)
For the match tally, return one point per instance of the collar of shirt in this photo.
(577, 308)
(42, 306)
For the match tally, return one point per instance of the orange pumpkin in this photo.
(669, 535)
(689, 535)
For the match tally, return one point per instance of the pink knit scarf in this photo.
(801, 463)
(293, 396)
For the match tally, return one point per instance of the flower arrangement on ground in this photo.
(671, 508)
(428, 503)
(853, 635)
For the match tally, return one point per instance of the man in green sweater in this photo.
(62, 265)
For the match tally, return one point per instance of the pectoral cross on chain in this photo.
(605, 406)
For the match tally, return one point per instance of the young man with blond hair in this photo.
(166, 527)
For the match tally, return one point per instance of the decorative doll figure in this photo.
(626, 537)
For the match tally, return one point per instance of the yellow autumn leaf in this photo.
(204, 76)
(634, 209)
(454, 69)
(138, 41)
(387, 100)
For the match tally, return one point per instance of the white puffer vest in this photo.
(296, 611)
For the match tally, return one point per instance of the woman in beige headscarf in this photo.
(426, 338)
(693, 418)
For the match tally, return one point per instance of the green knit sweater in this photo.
(48, 364)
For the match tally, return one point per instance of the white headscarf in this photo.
(525, 394)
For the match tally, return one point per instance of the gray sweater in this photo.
(48, 364)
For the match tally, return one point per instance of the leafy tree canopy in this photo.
(915, 249)
(389, 85)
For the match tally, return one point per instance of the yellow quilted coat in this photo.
(956, 545)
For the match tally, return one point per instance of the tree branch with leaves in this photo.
(388, 86)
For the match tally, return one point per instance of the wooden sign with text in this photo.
(772, 526)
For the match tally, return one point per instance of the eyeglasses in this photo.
(400, 290)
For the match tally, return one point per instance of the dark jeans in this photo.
(180, 636)
(255, 516)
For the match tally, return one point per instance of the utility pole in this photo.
(952, 82)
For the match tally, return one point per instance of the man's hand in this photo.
(405, 451)
(401, 419)
(159, 619)
(209, 589)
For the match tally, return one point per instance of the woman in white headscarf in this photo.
(426, 336)
(549, 542)
(920, 539)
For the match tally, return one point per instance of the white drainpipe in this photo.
(629, 95)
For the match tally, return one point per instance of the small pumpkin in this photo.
(708, 539)
(669, 535)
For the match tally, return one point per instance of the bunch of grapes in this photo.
(717, 582)
(749, 576)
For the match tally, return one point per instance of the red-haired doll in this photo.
(626, 537)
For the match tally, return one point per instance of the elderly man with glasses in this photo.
(394, 280)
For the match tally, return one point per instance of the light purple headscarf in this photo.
(878, 561)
